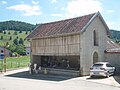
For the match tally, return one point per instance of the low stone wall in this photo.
(117, 72)
(60, 72)
(114, 60)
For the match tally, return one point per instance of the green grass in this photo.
(1, 65)
(6, 37)
(16, 62)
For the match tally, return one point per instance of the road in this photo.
(48, 82)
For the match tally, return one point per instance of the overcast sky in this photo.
(43, 11)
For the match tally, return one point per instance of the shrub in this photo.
(21, 41)
(15, 41)
(10, 37)
(15, 33)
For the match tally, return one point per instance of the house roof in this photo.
(68, 26)
(112, 47)
(113, 50)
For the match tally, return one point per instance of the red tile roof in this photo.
(112, 47)
(114, 50)
(73, 25)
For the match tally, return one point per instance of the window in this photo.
(95, 38)
(108, 65)
(97, 65)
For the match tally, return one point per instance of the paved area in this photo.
(23, 73)
(21, 80)
(107, 81)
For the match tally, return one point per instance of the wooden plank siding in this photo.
(62, 45)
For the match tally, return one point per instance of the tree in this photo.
(17, 48)
(20, 49)
(1, 38)
(4, 32)
(17, 37)
(7, 43)
(16, 25)
(10, 38)
(15, 33)
(12, 48)
(1, 31)
(9, 33)
(20, 31)
(15, 41)
(26, 33)
(21, 41)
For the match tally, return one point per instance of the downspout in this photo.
(80, 68)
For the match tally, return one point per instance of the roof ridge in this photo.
(67, 19)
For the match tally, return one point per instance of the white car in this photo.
(102, 69)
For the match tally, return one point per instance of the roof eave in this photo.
(90, 21)
(111, 52)
(28, 37)
(57, 35)
(103, 21)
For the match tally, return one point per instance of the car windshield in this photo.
(97, 65)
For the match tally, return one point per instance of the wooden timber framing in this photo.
(60, 46)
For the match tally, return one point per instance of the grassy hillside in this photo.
(11, 33)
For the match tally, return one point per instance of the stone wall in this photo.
(114, 59)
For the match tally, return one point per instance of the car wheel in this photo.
(107, 75)
(91, 76)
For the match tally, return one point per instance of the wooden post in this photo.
(4, 58)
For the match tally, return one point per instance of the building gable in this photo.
(92, 19)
